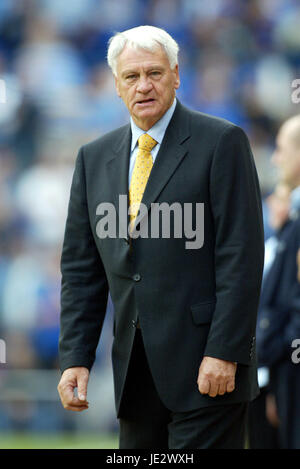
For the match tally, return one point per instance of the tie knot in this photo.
(146, 142)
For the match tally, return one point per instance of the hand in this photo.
(72, 378)
(216, 377)
(271, 411)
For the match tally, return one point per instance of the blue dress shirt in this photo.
(157, 132)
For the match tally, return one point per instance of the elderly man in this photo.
(185, 314)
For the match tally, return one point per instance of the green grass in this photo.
(57, 441)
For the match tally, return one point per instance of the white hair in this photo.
(143, 37)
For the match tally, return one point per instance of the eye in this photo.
(131, 77)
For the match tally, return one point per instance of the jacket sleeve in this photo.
(275, 343)
(239, 248)
(291, 330)
(84, 288)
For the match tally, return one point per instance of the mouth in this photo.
(145, 102)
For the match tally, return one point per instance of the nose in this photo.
(144, 85)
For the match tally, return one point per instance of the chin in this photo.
(147, 113)
(152, 112)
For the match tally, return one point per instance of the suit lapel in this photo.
(170, 154)
(117, 173)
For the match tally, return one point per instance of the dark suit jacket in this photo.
(189, 302)
(278, 326)
(279, 307)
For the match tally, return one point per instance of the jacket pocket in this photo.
(202, 313)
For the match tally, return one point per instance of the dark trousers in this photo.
(145, 423)
(261, 434)
(286, 384)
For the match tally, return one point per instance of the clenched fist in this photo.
(71, 379)
(216, 377)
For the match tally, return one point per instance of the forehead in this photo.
(283, 136)
(288, 133)
(140, 58)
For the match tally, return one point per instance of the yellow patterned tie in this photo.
(140, 174)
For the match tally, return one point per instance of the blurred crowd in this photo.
(238, 59)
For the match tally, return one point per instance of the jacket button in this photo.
(136, 277)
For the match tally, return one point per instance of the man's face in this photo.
(287, 157)
(146, 84)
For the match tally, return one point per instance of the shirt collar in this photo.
(157, 131)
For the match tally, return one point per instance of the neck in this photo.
(145, 125)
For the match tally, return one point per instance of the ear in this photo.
(117, 86)
(177, 79)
